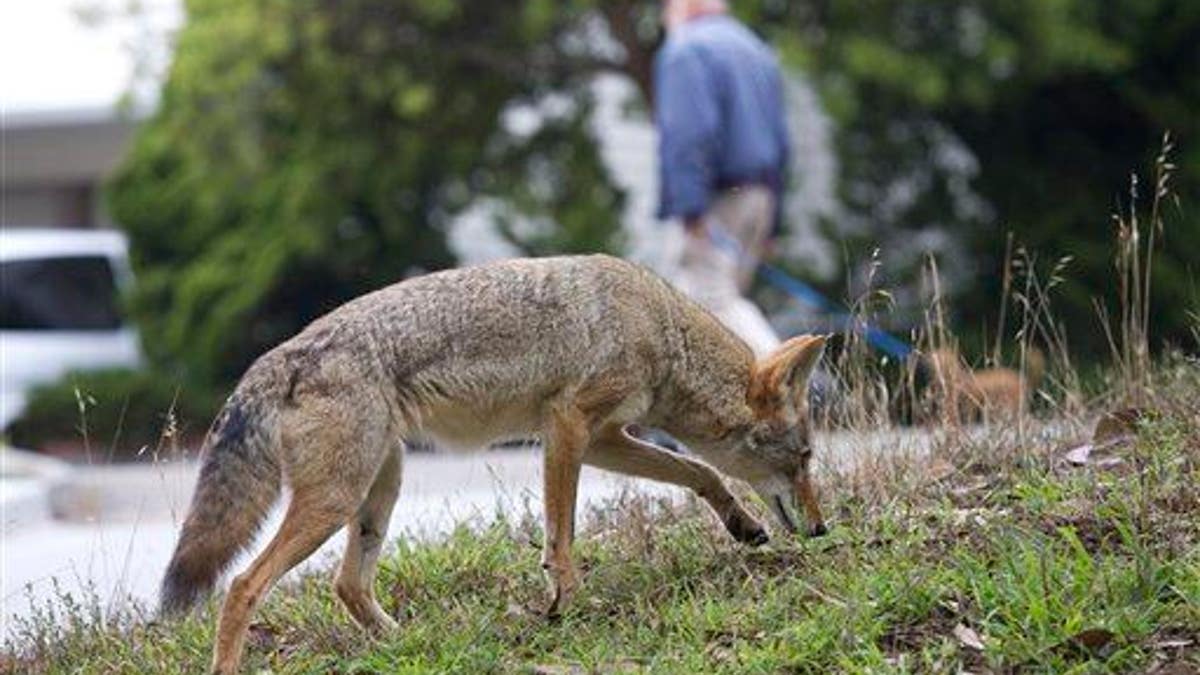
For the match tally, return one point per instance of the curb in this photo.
(25, 482)
(123, 492)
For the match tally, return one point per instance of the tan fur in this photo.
(573, 350)
(963, 394)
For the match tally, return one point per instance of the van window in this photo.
(69, 293)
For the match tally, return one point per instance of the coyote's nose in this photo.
(817, 530)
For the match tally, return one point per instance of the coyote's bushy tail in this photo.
(239, 482)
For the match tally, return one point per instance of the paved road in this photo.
(107, 532)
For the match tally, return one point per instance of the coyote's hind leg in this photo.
(333, 451)
(365, 534)
(311, 519)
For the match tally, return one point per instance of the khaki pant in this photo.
(719, 260)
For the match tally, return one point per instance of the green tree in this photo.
(307, 151)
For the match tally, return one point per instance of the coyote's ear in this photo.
(783, 375)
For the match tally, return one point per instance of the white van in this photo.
(59, 308)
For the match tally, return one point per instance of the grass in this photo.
(997, 552)
(1048, 566)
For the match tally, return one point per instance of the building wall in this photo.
(67, 205)
(54, 167)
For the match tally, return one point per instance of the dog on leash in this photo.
(573, 350)
(961, 394)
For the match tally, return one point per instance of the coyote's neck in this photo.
(704, 397)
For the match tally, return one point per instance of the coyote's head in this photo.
(776, 450)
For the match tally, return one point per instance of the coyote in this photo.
(573, 350)
(964, 394)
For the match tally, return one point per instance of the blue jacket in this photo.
(718, 100)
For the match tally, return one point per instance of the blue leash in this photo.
(807, 295)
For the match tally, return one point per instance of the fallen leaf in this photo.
(1090, 642)
(976, 517)
(515, 611)
(1079, 455)
(1176, 668)
(1173, 644)
(572, 669)
(1119, 424)
(624, 666)
(261, 636)
(1093, 639)
(1090, 454)
(968, 637)
(718, 653)
(965, 490)
(950, 605)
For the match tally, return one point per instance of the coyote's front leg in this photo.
(566, 439)
(615, 449)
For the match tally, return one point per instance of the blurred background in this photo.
(187, 183)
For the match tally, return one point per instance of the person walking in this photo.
(723, 153)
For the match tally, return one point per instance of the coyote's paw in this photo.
(746, 529)
(559, 599)
(563, 584)
(557, 605)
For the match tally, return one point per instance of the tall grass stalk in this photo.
(1134, 262)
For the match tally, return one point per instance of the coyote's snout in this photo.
(574, 350)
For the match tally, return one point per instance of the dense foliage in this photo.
(306, 151)
(115, 414)
(1025, 116)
